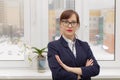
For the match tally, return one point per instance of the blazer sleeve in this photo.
(58, 73)
(90, 70)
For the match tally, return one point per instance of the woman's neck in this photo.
(70, 37)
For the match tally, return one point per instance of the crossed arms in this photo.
(76, 70)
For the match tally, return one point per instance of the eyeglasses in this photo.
(66, 23)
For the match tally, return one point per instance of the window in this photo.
(102, 32)
(110, 8)
(98, 28)
(13, 22)
(97, 15)
(38, 28)
(100, 25)
(12, 30)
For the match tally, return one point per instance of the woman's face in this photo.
(69, 26)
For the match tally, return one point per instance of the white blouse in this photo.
(71, 45)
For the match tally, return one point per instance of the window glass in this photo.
(102, 28)
(55, 9)
(100, 32)
(11, 30)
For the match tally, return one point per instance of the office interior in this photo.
(34, 23)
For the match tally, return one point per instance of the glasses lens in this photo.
(67, 23)
(73, 23)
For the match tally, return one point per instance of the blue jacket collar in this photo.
(63, 41)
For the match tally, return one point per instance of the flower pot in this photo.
(41, 64)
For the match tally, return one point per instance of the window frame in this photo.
(21, 63)
(36, 23)
(79, 7)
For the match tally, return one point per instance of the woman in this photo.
(70, 58)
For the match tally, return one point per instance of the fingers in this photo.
(89, 62)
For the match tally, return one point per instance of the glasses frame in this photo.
(67, 23)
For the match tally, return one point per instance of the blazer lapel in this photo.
(65, 44)
(77, 46)
(80, 56)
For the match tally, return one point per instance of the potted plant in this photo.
(41, 58)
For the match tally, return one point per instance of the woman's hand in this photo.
(89, 62)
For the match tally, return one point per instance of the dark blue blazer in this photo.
(83, 52)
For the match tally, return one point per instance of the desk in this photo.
(23, 74)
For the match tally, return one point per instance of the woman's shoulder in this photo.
(55, 42)
(83, 43)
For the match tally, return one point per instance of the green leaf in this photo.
(39, 51)
(29, 59)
